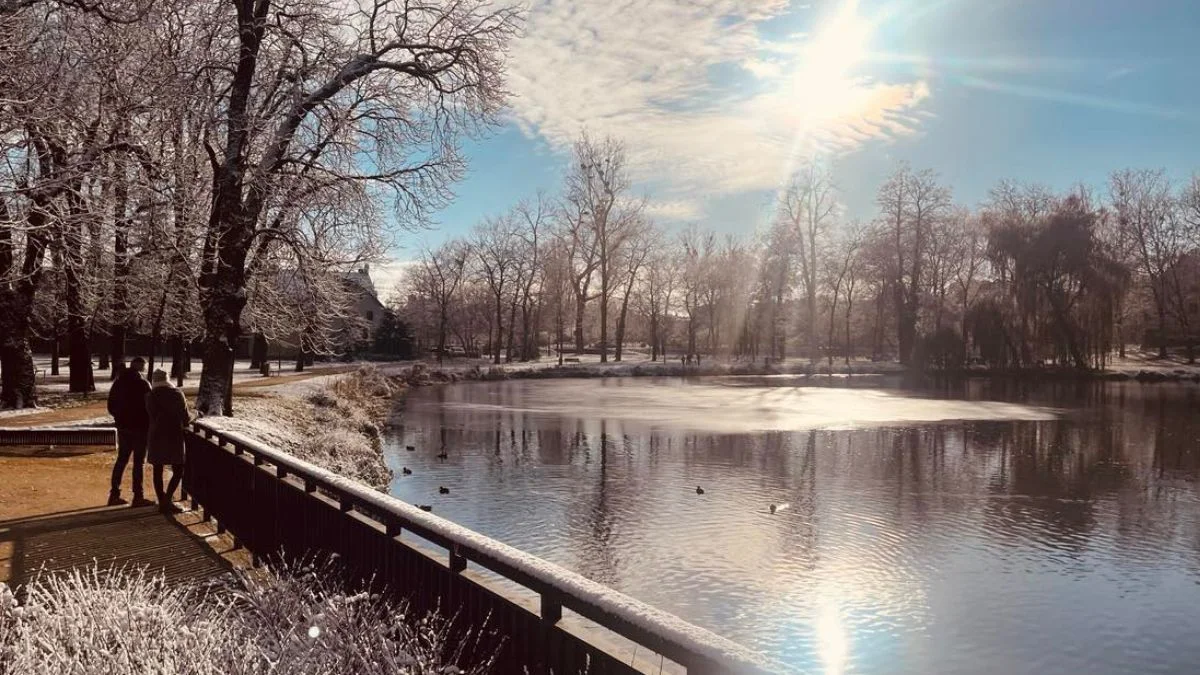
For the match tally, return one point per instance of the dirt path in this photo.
(34, 482)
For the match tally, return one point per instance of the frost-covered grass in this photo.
(294, 620)
(334, 426)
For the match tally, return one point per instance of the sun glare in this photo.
(840, 43)
(824, 78)
(833, 646)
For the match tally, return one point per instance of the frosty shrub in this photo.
(294, 620)
(307, 623)
(121, 622)
(347, 453)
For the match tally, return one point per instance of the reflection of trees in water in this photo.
(1123, 459)
(595, 554)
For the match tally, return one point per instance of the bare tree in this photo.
(1145, 208)
(598, 189)
(809, 206)
(313, 96)
(496, 245)
(910, 203)
(438, 277)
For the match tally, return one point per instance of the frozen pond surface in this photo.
(981, 527)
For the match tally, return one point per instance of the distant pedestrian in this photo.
(127, 405)
(168, 418)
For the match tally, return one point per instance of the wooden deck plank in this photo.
(108, 537)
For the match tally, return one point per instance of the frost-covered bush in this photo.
(307, 623)
(291, 620)
(122, 622)
(347, 453)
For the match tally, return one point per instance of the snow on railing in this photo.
(659, 631)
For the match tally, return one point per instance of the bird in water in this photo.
(699, 490)
(410, 448)
(772, 508)
(443, 455)
(406, 471)
(443, 490)
(425, 507)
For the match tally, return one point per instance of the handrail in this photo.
(671, 636)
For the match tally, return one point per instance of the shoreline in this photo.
(422, 374)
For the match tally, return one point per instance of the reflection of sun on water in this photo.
(833, 645)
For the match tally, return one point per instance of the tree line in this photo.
(207, 170)
(1026, 279)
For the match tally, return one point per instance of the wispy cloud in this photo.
(1074, 98)
(1118, 73)
(655, 73)
(674, 209)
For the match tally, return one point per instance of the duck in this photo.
(699, 490)
(443, 490)
(406, 471)
(443, 455)
(410, 448)
(773, 507)
(425, 507)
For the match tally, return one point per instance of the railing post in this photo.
(551, 609)
(394, 529)
(345, 504)
(457, 562)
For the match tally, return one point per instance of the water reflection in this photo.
(928, 534)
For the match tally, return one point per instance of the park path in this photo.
(95, 405)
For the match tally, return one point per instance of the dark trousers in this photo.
(130, 444)
(176, 475)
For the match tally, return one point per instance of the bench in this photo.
(58, 436)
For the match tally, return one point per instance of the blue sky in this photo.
(716, 99)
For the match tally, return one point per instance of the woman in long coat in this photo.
(164, 444)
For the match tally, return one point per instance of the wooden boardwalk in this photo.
(110, 537)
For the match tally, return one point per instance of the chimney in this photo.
(365, 269)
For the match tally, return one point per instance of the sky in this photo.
(718, 100)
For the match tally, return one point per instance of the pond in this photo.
(982, 526)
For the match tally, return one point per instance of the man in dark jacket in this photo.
(127, 405)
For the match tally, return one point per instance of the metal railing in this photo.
(277, 505)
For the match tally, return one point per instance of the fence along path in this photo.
(279, 506)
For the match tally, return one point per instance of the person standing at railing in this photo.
(168, 413)
(127, 405)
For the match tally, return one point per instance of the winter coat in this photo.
(127, 401)
(168, 418)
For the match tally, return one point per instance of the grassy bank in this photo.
(336, 425)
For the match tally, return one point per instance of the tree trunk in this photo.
(603, 328)
(496, 346)
(18, 382)
(78, 341)
(258, 351)
(54, 357)
(620, 335)
(222, 313)
(580, 307)
(1162, 330)
(177, 359)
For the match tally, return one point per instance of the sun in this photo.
(825, 80)
(840, 43)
